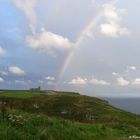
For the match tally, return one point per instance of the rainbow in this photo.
(85, 32)
(79, 39)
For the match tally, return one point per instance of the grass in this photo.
(20, 94)
(42, 127)
(65, 116)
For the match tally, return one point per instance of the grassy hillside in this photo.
(19, 94)
(19, 125)
(84, 117)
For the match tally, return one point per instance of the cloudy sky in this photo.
(90, 46)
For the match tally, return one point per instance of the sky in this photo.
(91, 46)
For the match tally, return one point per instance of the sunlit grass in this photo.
(20, 94)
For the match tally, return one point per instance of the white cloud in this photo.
(99, 82)
(1, 80)
(78, 81)
(113, 30)
(111, 13)
(122, 82)
(44, 40)
(48, 41)
(136, 81)
(27, 6)
(50, 78)
(84, 81)
(115, 74)
(113, 16)
(131, 68)
(2, 51)
(17, 71)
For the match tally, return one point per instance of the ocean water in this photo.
(128, 104)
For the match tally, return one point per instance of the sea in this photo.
(127, 104)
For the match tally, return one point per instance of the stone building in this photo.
(35, 89)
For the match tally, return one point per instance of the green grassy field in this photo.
(19, 94)
(63, 116)
(40, 127)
